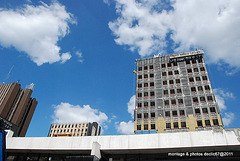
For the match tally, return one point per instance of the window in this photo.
(140, 85)
(145, 67)
(169, 65)
(200, 88)
(207, 88)
(194, 61)
(145, 104)
(195, 70)
(207, 122)
(204, 78)
(170, 82)
(152, 94)
(172, 91)
(145, 84)
(212, 109)
(170, 73)
(193, 89)
(163, 65)
(197, 111)
(153, 126)
(195, 99)
(145, 115)
(150, 67)
(139, 94)
(167, 113)
(191, 80)
(165, 92)
(145, 94)
(209, 98)
(176, 72)
(145, 76)
(202, 99)
(174, 64)
(175, 125)
(187, 62)
(215, 122)
(182, 113)
(151, 84)
(189, 70)
(204, 110)
(145, 126)
(183, 124)
(152, 104)
(166, 102)
(177, 81)
(200, 60)
(174, 113)
(173, 102)
(152, 114)
(165, 82)
(139, 76)
(198, 79)
(180, 101)
(139, 68)
(179, 90)
(168, 125)
(151, 75)
(164, 74)
(139, 115)
(139, 105)
(202, 69)
(199, 123)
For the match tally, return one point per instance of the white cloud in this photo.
(221, 96)
(106, 2)
(36, 30)
(212, 25)
(131, 105)
(125, 127)
(228, 118)
(80, 57)
(67, 113)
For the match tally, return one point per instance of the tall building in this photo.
(79, 129)
(16, 107)
(174, 93)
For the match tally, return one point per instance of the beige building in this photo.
(174, 94)
(78, 129)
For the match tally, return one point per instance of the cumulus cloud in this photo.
(212, 25)
(221, 97)
(36, 30)
(131, 105)
(80, 57)
(125, 127)
(67, 113)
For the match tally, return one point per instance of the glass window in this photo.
(193, 89)
(145, 76)
(152, 114)
(152, 94)
(204, 78)
(177, 81)
(197, 111)
(164, 74)
(195, 70)
(139, 115)
(151, 67)
(209, 98)
(170, 81)
(207, 122)
(215, 122)
(145, 115)
(151, 84)
(183, 124)
(151, 75)
(165, 82)
(202, 99)
(138, 127)
(191, 80)
(153, 126)
(204, 110)
(167, 113)
(165, 92)
(176, 72)
(194, 61)
(139, 68)
(166, 102)
(140, 85)
(173, 102)
(180, 101)
(145, 126)
(145, 104)
(212, 109)
(172, 91)
(182, 113)
(207, 88)
(175, 125)
(174, 113)
(139, 104)
(139, 76)
(168, 125)
(174, 64)
(202, 69)
(195, 99)
(199, 123)
(170, 73)
(163, 65)
(145, 94)
(145, 67)
(169, 65)
(200, 88)
(187, 62)
(189, 70)
(139, 94)
(145, 84)
(198, 79)
(179, 90)
(152, 104)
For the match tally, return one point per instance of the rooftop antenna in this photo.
(8, 75)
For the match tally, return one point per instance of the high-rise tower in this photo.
(174, 93)
(16, 107)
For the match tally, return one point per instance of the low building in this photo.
(77, 129)
(211, 145)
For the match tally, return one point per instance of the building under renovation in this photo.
(173, 94)
(78, 129)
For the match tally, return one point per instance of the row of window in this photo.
(146, 94)
(198, 79)
(202, 99)
(146, 76)
(67, 130)
(173, 102)
(169, 65)
(171, 82)
(145, 127)
(68, 125)
(170, 73)
(207, 122)
(146, 115)
(205, 110)
(172, 91)
(175, 113)
(195, 70)
(145, 85)
(200, 88)
(152, 104)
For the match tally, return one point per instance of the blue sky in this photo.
(80, 54)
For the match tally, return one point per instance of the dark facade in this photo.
(16, 107)
(173, 94)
